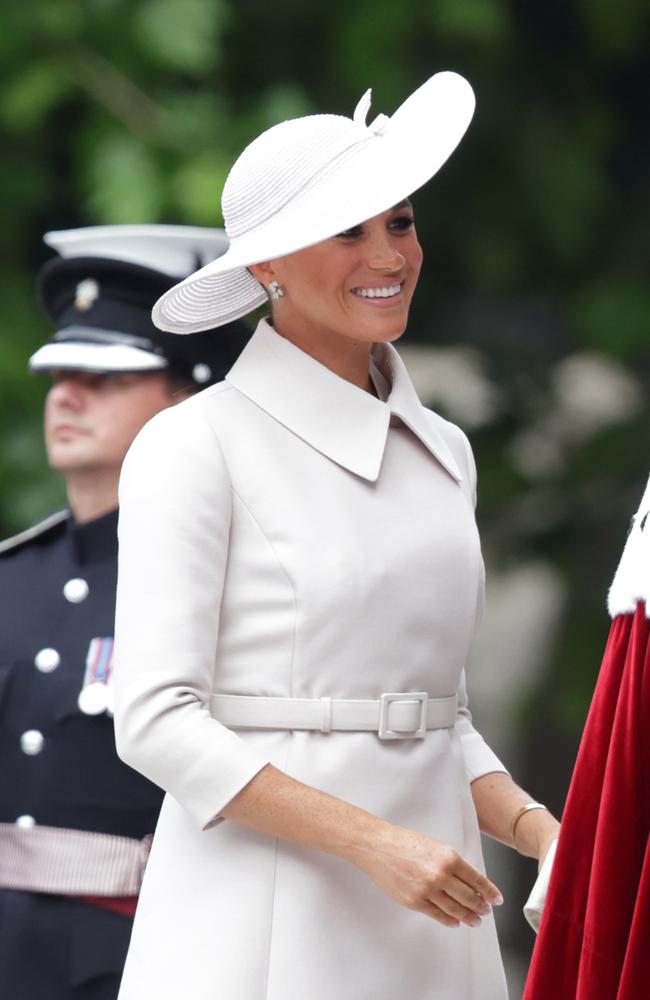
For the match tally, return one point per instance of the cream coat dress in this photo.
(285, 533)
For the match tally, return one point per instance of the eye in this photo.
(349, 234)
(402, 223)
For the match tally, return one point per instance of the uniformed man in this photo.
(75, 822)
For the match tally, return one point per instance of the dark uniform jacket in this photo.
(59, 766)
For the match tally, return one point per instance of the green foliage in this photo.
(613, 313)
(485, 22)
(180, 37)
(123, 179)
(535, 234)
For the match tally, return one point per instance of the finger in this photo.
(436, 913)
(478, 882)
(466, 896)
(454, 909)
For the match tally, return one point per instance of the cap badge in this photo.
(86, 294)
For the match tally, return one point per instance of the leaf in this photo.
(567, 186)
(27, 99)
(51, 20)
(123, 180)
(615, 30)
(181, 34)
(614, 315)
(283, 101)
(484, 21)
(367, 52)
(197, 188)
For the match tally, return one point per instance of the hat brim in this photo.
(401, 157)
(96, 358)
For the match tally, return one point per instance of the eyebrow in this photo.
(406, 203)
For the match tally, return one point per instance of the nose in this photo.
(67, 393)
(384, 256)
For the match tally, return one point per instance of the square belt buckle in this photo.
(386, 700)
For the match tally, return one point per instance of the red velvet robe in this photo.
(594, 938)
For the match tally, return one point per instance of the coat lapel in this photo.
(405, 404)
(341, 421)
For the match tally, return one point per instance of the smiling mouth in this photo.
(68, 429)
(385, 292)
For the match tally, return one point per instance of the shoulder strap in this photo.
(36, 530)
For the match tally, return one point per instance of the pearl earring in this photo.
(276, 291)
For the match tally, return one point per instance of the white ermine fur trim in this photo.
(632, 581)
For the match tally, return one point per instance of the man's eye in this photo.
(402, 222)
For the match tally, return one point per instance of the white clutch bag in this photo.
(535, 903)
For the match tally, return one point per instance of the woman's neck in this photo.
(347, 358)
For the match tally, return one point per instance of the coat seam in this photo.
(264, 536)
(276, 861)
(286, 575)
(272, 919)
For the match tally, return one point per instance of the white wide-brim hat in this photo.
(307, 179)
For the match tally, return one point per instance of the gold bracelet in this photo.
(520, 812)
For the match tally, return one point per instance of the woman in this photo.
(296, 602)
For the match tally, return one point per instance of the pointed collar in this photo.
(337, 418)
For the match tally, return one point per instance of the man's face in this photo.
(91, 419)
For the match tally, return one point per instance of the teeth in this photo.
(378, 293)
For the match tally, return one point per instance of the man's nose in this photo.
(67, 392)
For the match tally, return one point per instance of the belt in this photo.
(70, 862)
(394, 716)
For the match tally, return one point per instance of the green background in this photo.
(535, 236)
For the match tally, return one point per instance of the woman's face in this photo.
(357, 285)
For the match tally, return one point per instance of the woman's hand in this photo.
(426, 875)
(414, 869)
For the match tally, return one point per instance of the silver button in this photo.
(31, 742)
(93, 699)
(201, 373)
(47, 660)
(76, 590)
(26, 822)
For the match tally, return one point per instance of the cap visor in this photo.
(94, 358)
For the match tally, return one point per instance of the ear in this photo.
(181, 393)
(264, 272)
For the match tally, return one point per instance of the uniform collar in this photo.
(94, 540)
(343, 422)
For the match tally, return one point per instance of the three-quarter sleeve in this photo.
(175, 516)
(479, 758)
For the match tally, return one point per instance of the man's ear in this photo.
(180, 393)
